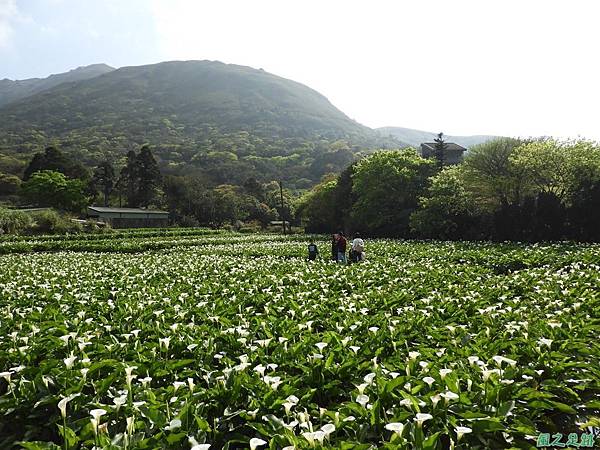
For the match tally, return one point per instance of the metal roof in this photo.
(106, 209)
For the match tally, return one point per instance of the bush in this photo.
(13, 222)
(188, 222)
(9, 184)
(51, 222)
(94, 227)
(447, 210)
(254, 226)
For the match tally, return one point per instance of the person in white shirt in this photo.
(357, 250)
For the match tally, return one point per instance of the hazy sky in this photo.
(519, 68)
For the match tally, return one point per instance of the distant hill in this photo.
(416, 137)
(13, 90)
(224, 121)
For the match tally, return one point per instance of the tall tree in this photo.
(447, 210)
(317, 208)
(440, 150)
(54, 159)
(492, 177)
(387, 185)
(344, 199)
(148, 177)
(254, 188)
(54, 189)
(127, 182)
(104, 179)
(558, 167)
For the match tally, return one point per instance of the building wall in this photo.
(453, 157)
(450, 156)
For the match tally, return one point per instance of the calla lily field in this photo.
(207, 340)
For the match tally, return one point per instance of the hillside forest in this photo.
(223, 123)
(226, 145)
(505, 189)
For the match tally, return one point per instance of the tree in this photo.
(584, 213)
(557, 167)
(491, 176)
(337, 156)
(533, 188)
(52, 189)
(9, 184)
(127, 181)
(104, 179)
(561, 176)
(549, 218)
(440, 150)
(184, 197)
(447, 210)
(317, 208)
(387, 185)
(344, 198)
(254, 188)
(261, 212)
(140, 178)
(273, 200)
(54, 159)
(148, 177)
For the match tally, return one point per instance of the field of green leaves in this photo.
(201, 340)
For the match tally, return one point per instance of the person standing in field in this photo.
(313, 251)
(357, 250)
(334, 247)
(341, 248)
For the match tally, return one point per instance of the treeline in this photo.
(507, 189)
(52, 179)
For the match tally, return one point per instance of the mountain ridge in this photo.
(222, 120)
(416, 137)
(15, 90)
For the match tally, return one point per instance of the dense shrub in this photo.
(14, 222)
(51, 222)
(9, 184)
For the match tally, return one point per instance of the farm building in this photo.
(129, 217)
(453, 153)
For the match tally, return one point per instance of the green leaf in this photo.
(431, 442)
(173, 438)
(563, 407)
(487, 425)
(39, 445)
(505, 408)
(68, 435)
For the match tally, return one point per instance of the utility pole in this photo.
(281, 197)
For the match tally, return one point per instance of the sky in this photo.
(502, 67)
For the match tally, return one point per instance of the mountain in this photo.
(223, 121)
(13, 90)
(416, 137)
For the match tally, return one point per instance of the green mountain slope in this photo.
(416, 137)
(225, 121)
(13, 90)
